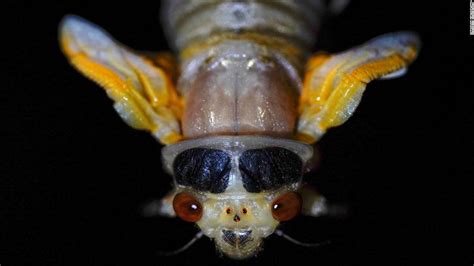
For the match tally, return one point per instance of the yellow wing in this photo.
(143, 93)
(334, 84)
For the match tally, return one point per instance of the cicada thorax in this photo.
(238, 174)
(241, 79)
(232, 151)
(241, 64)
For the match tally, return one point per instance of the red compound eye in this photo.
(187, 207)
(286, 207)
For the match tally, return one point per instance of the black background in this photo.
(75, 175)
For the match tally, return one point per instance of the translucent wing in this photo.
(143, 93)
(334, 84)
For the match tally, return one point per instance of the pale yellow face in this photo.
(237, 210)
(238, 222)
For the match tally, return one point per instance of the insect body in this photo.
(239, 120)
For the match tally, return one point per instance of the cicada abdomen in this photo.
(239, 120)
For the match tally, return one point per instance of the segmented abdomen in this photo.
(188, 22)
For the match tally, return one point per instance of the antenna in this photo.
(183, 248)
(299, 243)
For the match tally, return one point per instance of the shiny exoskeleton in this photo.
(239, 111)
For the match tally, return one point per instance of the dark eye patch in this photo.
(203, 169)
(269, 168)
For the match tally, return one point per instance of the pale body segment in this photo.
(239, 118)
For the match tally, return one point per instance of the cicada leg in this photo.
(160, 207)
(316, 205)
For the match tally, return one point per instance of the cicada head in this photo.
(237, 189)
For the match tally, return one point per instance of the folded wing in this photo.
(143, 93)
(334, 84)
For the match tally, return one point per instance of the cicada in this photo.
(239, 106)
